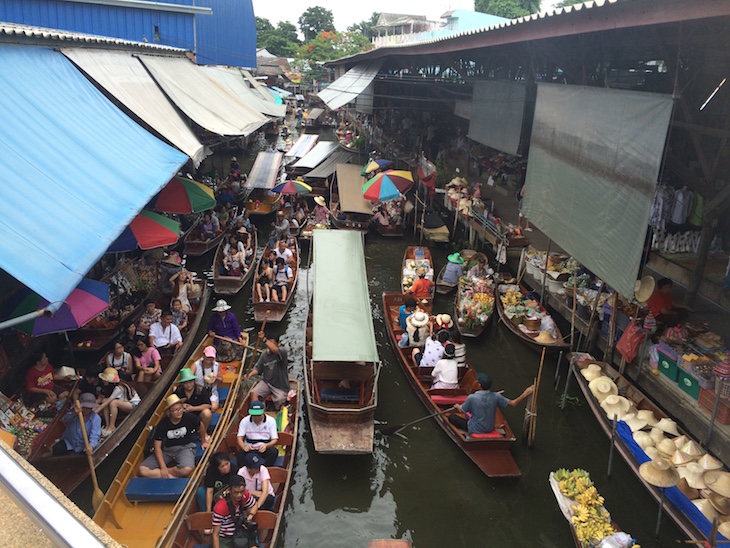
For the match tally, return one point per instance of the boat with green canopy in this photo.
(341, 362)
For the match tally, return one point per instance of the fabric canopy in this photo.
(343, 323)
(124, 77)
(317, 155)
(594, 161)
(496, 114)
(302, 145)
(258, 89)
(349, 187)
(232, 79)
(75, 170)
(265, 170)
(315, 113)
(202, 99)
(347, 87)
(327, 168)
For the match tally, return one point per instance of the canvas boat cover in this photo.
(265, 170)
(75, 170)
(321, 151)
(327, 168)
(342, 320)
(302, 145)
(202, 99)
(124, 77)
(348, 86)
(315, 113)
(232, 79)
(349, 186)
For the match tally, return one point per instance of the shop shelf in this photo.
(689, 384)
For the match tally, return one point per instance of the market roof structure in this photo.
(349, 187)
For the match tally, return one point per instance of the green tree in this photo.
(288, 31)
(566, 3)
(315, 20)
(281, 40)
(326, 46)
(366, 27)
(507, 8)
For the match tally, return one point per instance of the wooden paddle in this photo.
(97, 496)
(398, 427)
(239, 343)
(258, 341)
(533, 411)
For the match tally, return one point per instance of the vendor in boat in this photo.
(258, 480)
(381, 217)
(273, 367)
(321, 211)
(196, 399)
(72, 440)
(174, 442)
(433, 351)
(445, 373)
(217, 481)
(147, 363)
(179, 316)
(417, 328)
(405, 310)
(662, 305)
(121, 398)
(479, 270)
(454, 269)
(257, 434)
(279, 230)
(207, 228)
(480, 408)
(282, 251)
(40, 381)
(164, 335)
(208, 375)
(225, 324)
(151, 315)
(224, 521)
(283, 277)
(422, 288)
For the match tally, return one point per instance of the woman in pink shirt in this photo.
(148, 362)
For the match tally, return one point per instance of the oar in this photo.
(258, 341)
(533, 417)
(97, 496)
(398, 427)
(239, 343)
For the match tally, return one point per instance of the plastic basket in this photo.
(723, 387)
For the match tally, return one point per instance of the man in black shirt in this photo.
(196, 398)
(273, 368)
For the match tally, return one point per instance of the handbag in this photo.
(245, 533)
(628, 344)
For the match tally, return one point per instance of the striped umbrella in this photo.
(387, 185)
(147, 231)
(374, 165)
(292, 187)
(182, 195)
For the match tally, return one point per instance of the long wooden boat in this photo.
(692, 529)
(557, 346)
(189, 521)
(275, 311)
(195, 247)
(468, 324)
(388, 231)
(341, 380)
(68, 471)
(346, 199)
(230, 285)
(444, 288)
(136, 511)
(410, 265)
(260, 201)
(492, 455)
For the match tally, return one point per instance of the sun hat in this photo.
(634, 422)
(668, 425)
(649, 321)
(209, 352)
(694, 474)
(644, 288)
(652, 453)
(320, 200)
(221, 306)
(87, 400)
(648, 416)
(109, 375)
(705, 506)
(666, 448)
(242, 230)
(421, 271)
(256, 408)
(233, 158)
(172, 399)
(680, 458)
(680, 441)
(643, 439)
(717, 481)
(602, 387)
(545, 338)
(455, 258)
(720, 503)
(659, 473)
(66, 371)
(444, 320)
(591, 372)
(615, 405)
(709, 463)
(252, 460)
(418, 319)
(657, 435)
(724, 529)
(693, 449)
(686, 490)
(186, 375)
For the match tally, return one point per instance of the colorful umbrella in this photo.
(292, 187)
(374, 165)
(183, 195)
(146, 231)
(387, 186)
(89, 299)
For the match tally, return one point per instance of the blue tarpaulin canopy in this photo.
(74, 172)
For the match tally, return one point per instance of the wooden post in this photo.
(613, 444)
(544, 275)
(608, 354)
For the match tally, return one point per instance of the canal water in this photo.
(420, 486)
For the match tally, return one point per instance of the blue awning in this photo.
(74, 172)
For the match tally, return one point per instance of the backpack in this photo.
(246, 533)
(149, 444)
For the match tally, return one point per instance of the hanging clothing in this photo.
(682, 205)
(695, 216)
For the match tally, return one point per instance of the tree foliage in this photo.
(281, 40)
(507, 8)
(566, 3)
(366, 28)
(326, 46)
(315, 20)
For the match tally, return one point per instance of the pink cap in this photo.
(209, 352)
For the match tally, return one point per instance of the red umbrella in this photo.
(146, 231)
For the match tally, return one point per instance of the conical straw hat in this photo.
(591, 372)
(634, 422)
(652, 453)
(693, 449)
(668, 425)
(694, 472)
(720, 503)
(602, 387)
(648, 416)
(709, 463)
(666, 448)
(724, 529)
(644, 289)
(718, 481)
(643, 439)
(657, 435)
(680, 458)
(688, 491)
(704, 506)
(659, 473)
(615, 405)
(681, 441)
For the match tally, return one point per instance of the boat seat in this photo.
(155, 489)
(488, 436)
(223, 395)
(279, 462)
(347, 394)
(213, 422)
(449, 400)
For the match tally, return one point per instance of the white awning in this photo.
(349, 187)
(327, 168)
(302, 145)
(257, 87)
(233, 80)
(126, 79)
(207, 103)
(265, 170)
(317, 155)
(347, 87)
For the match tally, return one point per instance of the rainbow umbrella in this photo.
(387, 185)
(146, 231)
(88, 300)
(374, 165)
(292, 187)
(183, 195)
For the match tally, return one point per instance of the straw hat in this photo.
(668, 425)
(644, 289)
(681, 441)
(718, 481)
(455, 258)
(109, 375)
(648, 416)
(704, 506)
(602, 387)
(724, 529)
(545, 338)
(659, 473)
(666, 448)
(657, 435)
(591, 372)
(444, 321)
(172, 399)
(709, 463)
(643, 439)
(693, 449)
(615, 405)
(720, 503)
(408, 207)
(688, 491)
(652, 453)
(634, 422)
(680, 458)
(418, 319)
(320, 200)
(693, 472)
(221, 306)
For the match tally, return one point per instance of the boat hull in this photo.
(275, 311)
(230, 285)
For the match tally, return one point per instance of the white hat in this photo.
(666, 448)
(591, 372)
(320, 200)
(668, 425)
(659, 472)
(602, 387)
(693, 449)
(221, 306)
(705, 506)
(634, 422)
(418, 319)
(680, 441)
(652, 452)
(648, 416)
(657, 435)
(681, 458)
(444, 320)
(709, 463)
(694, 474)
(643, 439)
(615, 405)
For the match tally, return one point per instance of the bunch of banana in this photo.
(589, 497)
(593, 530)
(512, 298)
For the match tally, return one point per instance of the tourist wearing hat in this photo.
(227, 512)
(273, 367)
(417, 326)
(196, 399)
(662, 305)
(432, 352)
(479, 270)
(164, 335)
(208, 374)
(454, 269)
(258, 480)
(225, 324)
(321, 211)
(174, 441)
(122, 398)
(257, 434)
(445, 374)
(480, 408)
(72, 440)
(279, 229)
(422, 288)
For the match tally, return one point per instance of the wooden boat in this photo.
(388, 231)
(346, 199)
(189, 521)
(230, 285)
(389, 543)
(410, 265)
(195, 247)
(559, 344)
(641, 402)
(470, 325)
(341, 363)
(308, 227)
(275, 311)
(492, 455)
(136, 511)
(68, 471)
(444, 288)
(314, 119)
(260, 201)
